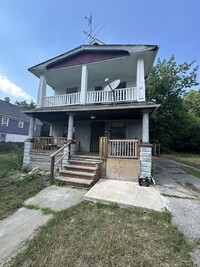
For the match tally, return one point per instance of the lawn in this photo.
(100, 235)
(13, 189)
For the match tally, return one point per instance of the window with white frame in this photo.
(4, 121)
(2, 137)
(21, 124)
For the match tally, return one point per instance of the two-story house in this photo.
(14, 124)
(103, 117)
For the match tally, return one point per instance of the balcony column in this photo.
(145, 126)
(31, 127)
(70, 127)
(41, 90)
(140, 80)
(84, 84)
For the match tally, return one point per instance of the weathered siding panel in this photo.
(134, 129)
(87, 57)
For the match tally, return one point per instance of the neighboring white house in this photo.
(83, 109)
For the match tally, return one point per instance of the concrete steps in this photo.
(81, 170)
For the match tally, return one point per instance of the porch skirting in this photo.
(122, 169)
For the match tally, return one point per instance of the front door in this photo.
(97, 130)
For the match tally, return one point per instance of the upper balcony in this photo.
(92, 97)
(78, 76)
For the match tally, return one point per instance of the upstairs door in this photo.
(97, 130)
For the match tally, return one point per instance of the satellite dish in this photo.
(111, 86)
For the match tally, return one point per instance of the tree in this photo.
(26, 105)
(192, 102)
(166, 86)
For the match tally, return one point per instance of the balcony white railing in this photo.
(123, 148)
(120, 95)
(61, 100)
(92, 97)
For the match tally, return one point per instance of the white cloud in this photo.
(11, 89)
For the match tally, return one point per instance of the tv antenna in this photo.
(110, 87)
(91, 29)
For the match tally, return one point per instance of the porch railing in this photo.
(63, 155)
(123, 148)
(48, 143)
(125, 94)
(61, 100)
(92, 97)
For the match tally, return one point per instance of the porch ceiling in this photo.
(98, 112)
(124, 68)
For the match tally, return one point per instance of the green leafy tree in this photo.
(25, 104)
(166, 86)
(192, 102)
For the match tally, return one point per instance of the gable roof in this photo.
(96, 47)
(15, 112)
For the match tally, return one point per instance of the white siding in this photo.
(15, 138)
(134, 129)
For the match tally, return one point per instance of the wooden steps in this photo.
(81, 171)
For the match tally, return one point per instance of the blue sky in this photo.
(34, 31)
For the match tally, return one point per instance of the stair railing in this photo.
(53, 158)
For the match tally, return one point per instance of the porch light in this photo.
(92, 117)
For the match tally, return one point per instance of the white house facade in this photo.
(113, 123)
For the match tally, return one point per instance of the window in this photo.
(72, 90)
(121, 85)
(35, 127)
(4, 121)
(98, 88)
(21, 124)
(2, 137)
(118, 130)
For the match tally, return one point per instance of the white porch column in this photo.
(70, 127)
(145, 126)
(84, 84)
(31, 127)
(41, 90)
(140, 80)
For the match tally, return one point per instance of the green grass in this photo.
(13, 191)
(9, 162)
(100, 235)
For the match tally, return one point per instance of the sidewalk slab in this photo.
(16, 229)
(125, 194)
(57, 197)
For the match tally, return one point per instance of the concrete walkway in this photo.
(125, 194)
(17, 228)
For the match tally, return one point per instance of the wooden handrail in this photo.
(53, 156)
